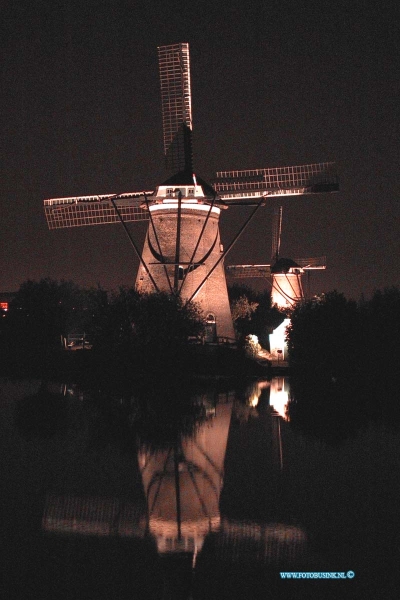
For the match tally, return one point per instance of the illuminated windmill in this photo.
(284, 274)
(182, 252)
(182, 482)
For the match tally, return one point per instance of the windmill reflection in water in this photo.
(182, 472)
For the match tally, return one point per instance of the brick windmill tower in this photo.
(182, 252)
(182, 247)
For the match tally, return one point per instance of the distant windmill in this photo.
(284, 274)
(182, 252)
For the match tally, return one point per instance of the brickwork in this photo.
(286, 289)
(161, 244)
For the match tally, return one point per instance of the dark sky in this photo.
(274, 83)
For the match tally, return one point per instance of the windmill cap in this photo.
(283, 265)
(186, 178)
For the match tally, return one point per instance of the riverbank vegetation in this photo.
(129, 335)
(46, 318)
(351, 348)
(252, 313)
(344, 360)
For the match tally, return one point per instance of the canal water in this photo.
(174, 491)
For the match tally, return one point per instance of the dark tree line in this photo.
(123, 327)
(344, 360)
(252, 313)
(128, 332)
(39, 316)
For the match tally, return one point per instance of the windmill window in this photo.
(210, 318)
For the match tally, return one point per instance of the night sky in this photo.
(274, 83)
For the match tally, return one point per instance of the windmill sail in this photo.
(95, 210)
(245, 187)
(247, 271)
(316, 263)
(176, 105)
(276, 233)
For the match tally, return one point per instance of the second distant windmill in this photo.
(284, 274)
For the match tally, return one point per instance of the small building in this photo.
(5, 300)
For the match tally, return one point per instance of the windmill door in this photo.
(210, 329)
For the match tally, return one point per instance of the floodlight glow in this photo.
(279, 395)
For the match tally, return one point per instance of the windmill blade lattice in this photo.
(244, 187)
(247, 271)
(176, 105)
(317, 263)
(95, 210)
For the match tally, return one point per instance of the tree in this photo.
(43, 312)
(252, 313)
(110, 317)
(162, 324)
(242, 308)
(266, 318)
(328, 391)
(344, 360)
(381, 351)
(382, 324)
(325, 332)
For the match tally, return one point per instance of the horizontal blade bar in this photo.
(308, 264)
(94, 210)
(96, 198)
(250, 198)
(304, 179)
(244, 271)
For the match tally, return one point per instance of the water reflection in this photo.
(42, 413)
(265, 543)
(183, 485)
(181, 455)
(121, 493)
(279, 396)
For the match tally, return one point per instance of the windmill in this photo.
(285, 274)
(182, 252)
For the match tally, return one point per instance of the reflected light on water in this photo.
(279, 396)
(182, 486)
(93, 515)
(254, 400)
(268, 543)
(232, 541)
(254, 391)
